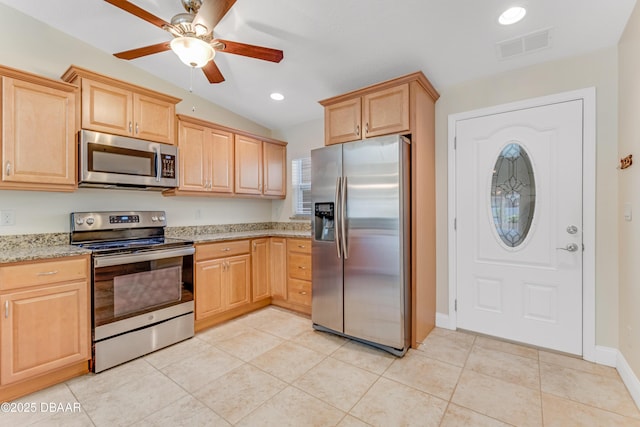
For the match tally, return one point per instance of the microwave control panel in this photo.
(168, 166)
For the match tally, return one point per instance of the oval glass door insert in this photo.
(513, 195)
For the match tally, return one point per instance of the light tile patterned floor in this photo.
(270, 368)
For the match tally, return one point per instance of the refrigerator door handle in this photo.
(343, 216)
(337, 218)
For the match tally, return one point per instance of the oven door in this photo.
(132, 290)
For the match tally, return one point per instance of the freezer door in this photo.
(326, 291)
(375, 278)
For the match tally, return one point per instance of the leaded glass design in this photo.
(513, 194)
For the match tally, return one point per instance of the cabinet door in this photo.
(386, 112)
(260, 269)
(153, 119)
(248, 164)
(106, 108)
(342, 122)
(278, 267)
(209, 288)
(275, 169)
(221, 161)
(43, 329)
(238, 272)
(194, 168)
(38, 134)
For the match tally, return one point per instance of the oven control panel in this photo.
(124, 219)
(95, 221)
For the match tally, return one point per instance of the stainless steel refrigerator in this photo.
(361, 241)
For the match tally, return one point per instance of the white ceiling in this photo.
(335, 46)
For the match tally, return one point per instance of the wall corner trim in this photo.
(628, 377)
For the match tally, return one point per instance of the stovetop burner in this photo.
(121, 232)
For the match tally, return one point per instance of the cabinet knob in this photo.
(6, 309)
(137, 128)
(366, 128)
(8, 168)
(130, 128)
(357, 130)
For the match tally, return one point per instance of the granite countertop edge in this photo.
(41, 252)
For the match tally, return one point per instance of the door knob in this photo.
(571, 247)
(572, 229)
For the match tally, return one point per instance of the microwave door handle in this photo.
(158, 164)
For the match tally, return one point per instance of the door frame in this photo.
(588, 97)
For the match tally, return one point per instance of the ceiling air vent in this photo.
(527, 43)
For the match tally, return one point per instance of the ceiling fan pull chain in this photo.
(191, 80)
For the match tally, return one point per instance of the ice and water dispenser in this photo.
(324, 223)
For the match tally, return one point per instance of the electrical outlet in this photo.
(7, 217)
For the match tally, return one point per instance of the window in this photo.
(301, 184)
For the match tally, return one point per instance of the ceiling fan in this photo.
(193, 40)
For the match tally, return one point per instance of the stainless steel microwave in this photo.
(111, 161)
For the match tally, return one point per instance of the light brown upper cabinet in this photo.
(113, 106)
(381, 112)
(219, 161)
(274, 169)
(38, 132)
(206, 158)
(260, 167)
(405, 106)
(248, 165)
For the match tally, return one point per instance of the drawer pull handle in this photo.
(48, 273)
(302, 292)
(302, 267)
(226, 249)
(6, 309)
(301, 246)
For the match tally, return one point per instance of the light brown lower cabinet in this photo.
(223, 282)
(45, 324)
(260, 269)
(295, 291)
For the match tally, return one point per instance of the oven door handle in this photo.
(130, 258)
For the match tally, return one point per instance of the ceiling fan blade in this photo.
(258, 52)
(138, 11)
(212, 11)
(212, 72)
(143, 51)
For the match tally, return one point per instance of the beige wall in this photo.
(597, 69)
(629, 191)
(29, 45)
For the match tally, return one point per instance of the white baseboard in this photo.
(442, 321)
(607, 356)
(629, 378)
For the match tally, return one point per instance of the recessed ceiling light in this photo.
(512, 15)
(277, 96)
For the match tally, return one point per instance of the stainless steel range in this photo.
(142, 284)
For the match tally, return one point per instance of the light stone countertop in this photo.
(39, 247)
(10, 255)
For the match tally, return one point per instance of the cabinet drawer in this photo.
(222, 249)
(299, 266)
(41, 273)
(299, 292)
(299, 245)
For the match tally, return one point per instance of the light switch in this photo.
(627, 212)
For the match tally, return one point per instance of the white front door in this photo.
(519, 225)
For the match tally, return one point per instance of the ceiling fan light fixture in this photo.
(277, 96)
(192, 51)
(512, 15)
